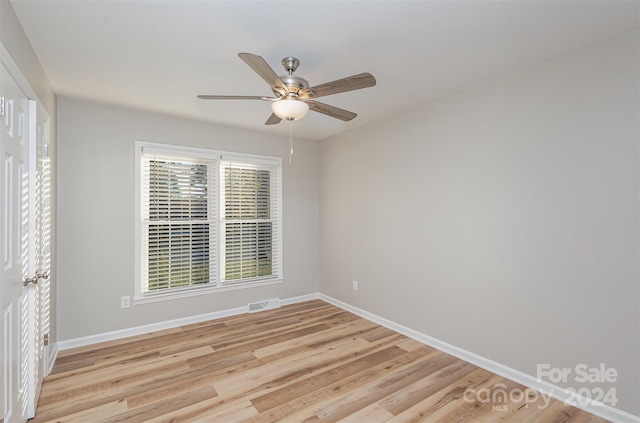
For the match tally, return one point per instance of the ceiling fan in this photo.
(293, 96)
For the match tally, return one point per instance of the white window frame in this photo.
(217, 249)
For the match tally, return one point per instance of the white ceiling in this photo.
(158, 55)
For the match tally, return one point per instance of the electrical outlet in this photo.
(125, 302)
(355, 285)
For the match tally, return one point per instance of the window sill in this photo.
(195, 292)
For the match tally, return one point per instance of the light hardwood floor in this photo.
(307, 362)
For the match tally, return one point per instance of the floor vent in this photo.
(264, 305)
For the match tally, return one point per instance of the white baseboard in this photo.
(601, 410)
(168, 324)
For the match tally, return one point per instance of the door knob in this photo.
(34, 280)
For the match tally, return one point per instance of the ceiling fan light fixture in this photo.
(293, 95)
(288, 109)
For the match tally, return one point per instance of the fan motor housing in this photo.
(294, 84)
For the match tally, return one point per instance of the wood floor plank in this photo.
(477, 407)
(497, 404)
(371, 414)
(166, 391)
(120, 375)
(95, 397)
(69, 366)
(432, 406)
(378, 333)
(308, 362)
(235, 413)
(284, 394)
(104, 411)
(288, 369)
(383, 387)
(74, 353)
(348, 330)
(303, 408)
(409, 344)
(406, 397)
(240, 410)
(142, 345)
(228, 350)
(142, 414)
(559, 412)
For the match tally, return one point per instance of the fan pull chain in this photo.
(290, 142)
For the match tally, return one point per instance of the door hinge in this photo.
(46, 339)
(1, 106)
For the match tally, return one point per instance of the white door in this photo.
(14, 247)
(40, 252)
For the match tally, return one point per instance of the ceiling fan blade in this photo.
(234, 97)
(262, 68)
(350, 83)
(273, 119)
(332, 111)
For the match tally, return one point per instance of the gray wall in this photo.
(19, 48)
(96, 215)
(503, 220)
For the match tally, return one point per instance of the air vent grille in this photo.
(263, 305)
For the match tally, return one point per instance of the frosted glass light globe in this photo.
(290, 109)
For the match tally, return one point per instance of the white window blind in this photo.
(206, 220)
(250, 220)
(178, 222)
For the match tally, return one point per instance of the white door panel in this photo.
(14, 231)
(25, 243)
(40, 221)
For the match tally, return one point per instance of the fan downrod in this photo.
(290, 64)
(294, 84)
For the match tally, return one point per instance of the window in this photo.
(206, 220)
